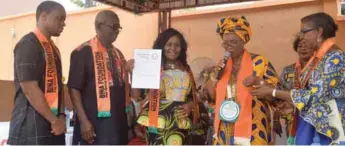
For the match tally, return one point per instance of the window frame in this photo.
(340, 17)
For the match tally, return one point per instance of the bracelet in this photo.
(274, 92)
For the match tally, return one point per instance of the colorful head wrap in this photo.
(238, 25)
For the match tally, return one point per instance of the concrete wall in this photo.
(273, 28)
(138, 32)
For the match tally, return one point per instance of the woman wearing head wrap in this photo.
(240, 117)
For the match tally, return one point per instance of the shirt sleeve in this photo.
(265, 70)
(271, 75)
(26, 61)
(76, 78)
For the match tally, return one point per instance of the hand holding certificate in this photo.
(147, 68)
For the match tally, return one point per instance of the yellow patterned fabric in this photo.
(239, 25)
(175, 85)
(261, 122)
(175, 91)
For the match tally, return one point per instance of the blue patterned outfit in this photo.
(321, 102)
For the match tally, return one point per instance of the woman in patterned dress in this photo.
(319, 87)
(175, 118)
(242, 71)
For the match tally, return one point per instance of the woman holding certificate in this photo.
(240, 118)
(172, 110)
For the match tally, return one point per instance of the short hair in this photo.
(296, 43)
(104, 15)
(47, 7)
(324, 21)
(163, 38)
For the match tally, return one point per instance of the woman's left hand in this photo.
(262, 91)
(185, 110)
(130, 65)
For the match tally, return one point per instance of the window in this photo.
(342, 7)
(341, 10)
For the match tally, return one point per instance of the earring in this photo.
(318, 39)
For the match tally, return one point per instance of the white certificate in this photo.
(147, 68)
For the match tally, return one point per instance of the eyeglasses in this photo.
(115, 27)
(303, 31)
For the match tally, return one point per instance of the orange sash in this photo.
(154, 107)
(315, 59)
(154, 100)
(243, 126)
(196, 113)
(103, 77)
(51, 92)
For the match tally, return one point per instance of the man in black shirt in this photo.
(100, 122)
(38, 118)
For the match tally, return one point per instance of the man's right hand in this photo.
(58, 127)
(86, 128)
(87, 132)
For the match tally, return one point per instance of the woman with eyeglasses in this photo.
(240, 118)
(286, 111)
(319, 86)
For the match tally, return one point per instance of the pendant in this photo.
(229, 111)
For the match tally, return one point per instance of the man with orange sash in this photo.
(38, 115)
(98, 85)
